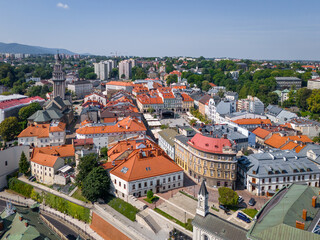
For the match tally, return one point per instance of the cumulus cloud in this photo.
(62, 5)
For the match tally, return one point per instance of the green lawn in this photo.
(187, 225)
(250, 212)
(123, 207)
(78, 195)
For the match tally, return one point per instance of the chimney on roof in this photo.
(225, 136)
(20, 218)
(314, 201)
(300, 225)
(304, 214)
(26, 223)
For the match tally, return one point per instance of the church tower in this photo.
(59, 82)
(203, 208)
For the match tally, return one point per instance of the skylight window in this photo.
(124, 170)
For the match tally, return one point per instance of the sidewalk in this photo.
(59, 194)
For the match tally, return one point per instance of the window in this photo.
(151, 183)
(164, 188)
(139, 185)
(269, 180)
(218, 183)
(219, 173)
(6, 163)
(124, 186)
(115, 181)
(145, 184)
(302, 178)
(119, 184)
(233, 167)
(227, 174)
(205, 171)
(219, 165)
(232, 175)
(262, 180)
(277, 179)
(173, 178)
(164, 180)
(133, 187)
(262, 188)
(293, 178)
(211, 173)
(169, 179)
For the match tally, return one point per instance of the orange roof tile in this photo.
(252, 121)
(118, 83)
(186, 97)
(212, 85)
(289, 146)
(61, 151)
(261, 133)
(146, 99)
(276, 140)
(59, 128)
(154, 163)
(44, 159)
(299, 148)
(127, 124)
(39, 130)
(179, 87)
(300, 138)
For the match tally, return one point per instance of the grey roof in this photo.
(231, 93)
(273, 110)
(183, 139)
(203, 189)
(277, 163)
(287, 79)
(204, 99)
(46, 115)
(224, 107)
(168, 135)
(219, 227)
(90, 109)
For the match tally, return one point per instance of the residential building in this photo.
(241, 115)
(277, 140)
(145, 169)
(217, 110)
(104, 68)
(252, 123)
(279, 115)
(202, 103)
(10, 108)
(292, 213)
(265, 173)
(125, 69)
(305, 126)
(41, 135)
(45, 166)
(81, 88)
(119, 85)
(314, 83)
(64, 151)
(96, 97)
(166, 141)
(288, 82)
(90, 113)
(209, 226)
(261, 135)
(207, 157)
(117, 113)
(187, 102)
(251, 105)
(232, 96)
(147, 101)
(127, 127)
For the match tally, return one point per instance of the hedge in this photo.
(67, 207)
(20, 187)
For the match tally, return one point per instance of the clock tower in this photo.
(203, 208)
(58, 79)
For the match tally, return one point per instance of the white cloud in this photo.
(61, 5)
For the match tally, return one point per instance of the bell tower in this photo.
(59, 84)
(203, 208)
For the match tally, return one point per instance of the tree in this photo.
(138, 73)
(314, 101)
(205, 86)
(227, 196)
(96, 184)
(273, 98)
(24, 164)
(84, 71)
(91, 76)
(27, 111)
(151, 110)
(9, 128)
(104, 152)
(301, 98)
(87, 163)
(172, 78)
(114, 73)
(150, 194)
(123, 76)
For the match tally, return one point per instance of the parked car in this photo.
(252, 202)
(240, 199)
(243, 217)
(224, 208)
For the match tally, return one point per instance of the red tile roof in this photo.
(44, 159)
(61, 151)
(289, 146)
(209, 144)
(127, 124)
(82, 142)
(16, 102)
(252, 121)
(39, 130)
(186, 97)
(212, 85)
(261, 133)
(276, 140)
(154, 163)
(118, 83)
(146, 99)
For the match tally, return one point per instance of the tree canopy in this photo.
(227, 196)
(9, 128)
(96, 184)
(24, 164)
(85, 166)
(27, 111)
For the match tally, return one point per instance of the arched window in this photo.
(205, 237)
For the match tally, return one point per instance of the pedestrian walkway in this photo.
(59, 194)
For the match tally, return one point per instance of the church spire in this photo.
(203, 208)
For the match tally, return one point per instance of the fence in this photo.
(18, 202)
(73, 225)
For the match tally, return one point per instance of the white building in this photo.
(42, 135)
(216, 111)
(145, 169)
(81, 88)
(104, 68)
(251, 105)
(125, 68)
(166, 141)
(265, 173)
(45, 166)
(96, 97)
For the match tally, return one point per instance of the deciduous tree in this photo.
(227, 196)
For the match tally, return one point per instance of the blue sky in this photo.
(258, 29)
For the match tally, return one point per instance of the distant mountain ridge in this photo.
(27, 49)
